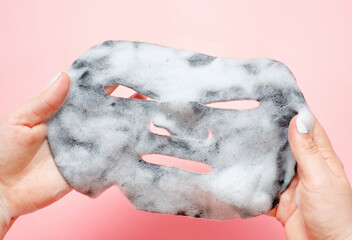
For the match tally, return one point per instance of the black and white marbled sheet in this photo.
(97, 140)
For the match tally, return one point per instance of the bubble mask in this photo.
(97, 140)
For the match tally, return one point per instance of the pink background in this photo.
(41, 38)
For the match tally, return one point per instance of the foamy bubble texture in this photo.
(97, 140)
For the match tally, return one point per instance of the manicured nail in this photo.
(304, 122)
(54, 79)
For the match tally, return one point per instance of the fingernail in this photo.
(53, 79)
(304, 122)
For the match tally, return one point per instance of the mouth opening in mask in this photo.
(170, 161)
(235, 104)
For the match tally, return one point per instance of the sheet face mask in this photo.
(97, 140)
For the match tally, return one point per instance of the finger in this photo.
(110, 89)
(323, 143)
(45, 105)
(295, 227)
(138, 96)
(311, 163)
(287, 204)
(272, 212)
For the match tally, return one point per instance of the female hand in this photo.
(318, 203)
(29, 178)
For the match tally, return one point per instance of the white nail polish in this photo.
(54, 79)
(304, 121)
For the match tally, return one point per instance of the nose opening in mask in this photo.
(121, 91)
(170, 161)
(210, 134)
(159, 130)
(235, 104)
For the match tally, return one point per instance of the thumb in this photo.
(45, 105)
(310, 161)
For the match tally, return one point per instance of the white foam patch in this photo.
(97, 140)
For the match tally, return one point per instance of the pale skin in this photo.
(30, 180)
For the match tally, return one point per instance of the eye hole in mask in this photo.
(121, 91)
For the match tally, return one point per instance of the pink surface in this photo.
(41, 38)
